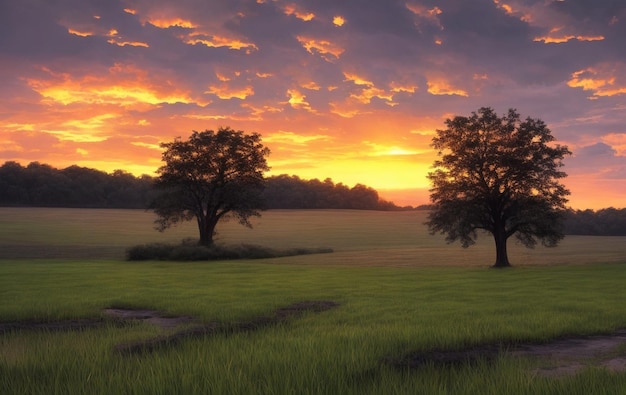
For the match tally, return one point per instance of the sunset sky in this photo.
(348, 89)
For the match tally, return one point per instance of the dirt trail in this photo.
(566, 356)
(571, 355)
(119, 316)
(151, 316)
(213, 328)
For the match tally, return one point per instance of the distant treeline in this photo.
(292, 192)
(44, 186)
(41, 185)
(605, 222)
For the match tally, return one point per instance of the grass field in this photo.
(399, 291)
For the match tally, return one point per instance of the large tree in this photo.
(211, 176)
(500, 175)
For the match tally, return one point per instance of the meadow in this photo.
(399, 291)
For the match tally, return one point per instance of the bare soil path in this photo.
(566, 356)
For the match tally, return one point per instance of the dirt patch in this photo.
(213, 328)
(113, 316)
(151, 316)
(571, 355)
(566, 356)
(52, 326)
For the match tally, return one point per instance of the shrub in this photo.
(186, 251)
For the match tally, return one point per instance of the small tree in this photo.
(499, 175)
(210, 177)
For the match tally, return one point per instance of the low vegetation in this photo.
(191, 251)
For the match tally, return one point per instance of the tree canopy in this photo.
(500, 175)
(211, 176)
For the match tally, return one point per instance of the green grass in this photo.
(384, 313)
(396, 296)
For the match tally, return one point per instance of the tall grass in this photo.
(384, 313)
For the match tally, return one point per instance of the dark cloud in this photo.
(600, 160)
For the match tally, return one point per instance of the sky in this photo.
(352, 90)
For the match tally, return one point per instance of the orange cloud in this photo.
(345, 110)
(18, 127)
(356, 79)
(525, 14)
(79, 33)
(369, 91)
(566, 38)
(327, 50)
(601, 80)
(216, 41)
(617, 141)
(292, 9)
(367, 94)
(167, 22)
(297, 100)
(312, 85)
(196, 33)
(76, 136)
(77, 131)
(291, 138)
(123, 85)
(156, 147)
(257, 112)
(129, 43)
(225, 92)
(431, 15)
(88, 29)
(440, 86)
(397, 88)
(542, 15)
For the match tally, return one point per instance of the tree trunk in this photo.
(207, 230)
(502, 259)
